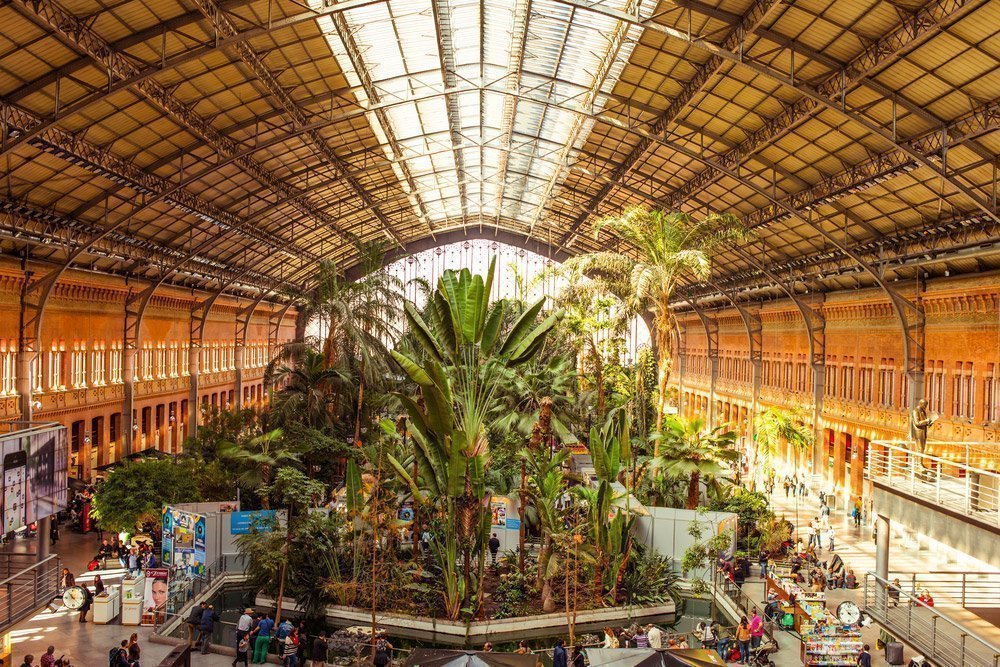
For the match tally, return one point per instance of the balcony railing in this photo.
(940, 639)
(965, 589)
(949, 483)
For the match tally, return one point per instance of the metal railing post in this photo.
(962, 662)
(963, 589)
(934, 635)
(34, 588)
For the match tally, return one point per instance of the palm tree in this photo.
(257, 458)
(669, 246)
(545, 488)
(775, 426)
(689, 451)
(523, 390)
(309, 388)
(360, 319)
(593, 319)
(464, 360)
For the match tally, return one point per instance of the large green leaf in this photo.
(491, 330)
(418, 496)
(529, 343)
(355, 495)
(521, 327)
(414, 371)
(421, 331)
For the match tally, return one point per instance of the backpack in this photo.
(113, 656)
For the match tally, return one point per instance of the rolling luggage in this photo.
(894, 653)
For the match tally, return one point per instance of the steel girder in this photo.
(120, 67)
(754, 17)
(954, 236)
(711, 326)
(137, 77)
(829, 96)
(225, 27)
(880, 54)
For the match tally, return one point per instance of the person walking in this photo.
(494, 545)
(243, 624)
(830, 538)
(756, 630)
(206, 627)
(865, 658)
(262, 640)
(242, 651)
(743, 638)
(194, 620)
(559, 657)
(320, 650)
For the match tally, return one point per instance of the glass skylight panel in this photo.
(503, 152)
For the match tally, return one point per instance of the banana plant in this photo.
(465, 357)
(609, 514)
(545, 488)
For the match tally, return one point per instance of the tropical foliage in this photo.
(669, 247)
(391, 426)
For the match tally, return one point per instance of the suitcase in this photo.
(894, 653)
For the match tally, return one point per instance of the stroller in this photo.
(760, 656)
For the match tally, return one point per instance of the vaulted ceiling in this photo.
(234, 144)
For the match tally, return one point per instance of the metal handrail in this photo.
(927, 476)
(969, 589)
(40, 563)
(940, 646)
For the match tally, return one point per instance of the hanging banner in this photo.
(243, 523)
(154, 598)
(183, 541)
(498, 511)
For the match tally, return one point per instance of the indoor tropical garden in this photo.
(481, 442)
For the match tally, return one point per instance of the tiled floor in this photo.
(857, 548)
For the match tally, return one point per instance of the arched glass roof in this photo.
(232, 145)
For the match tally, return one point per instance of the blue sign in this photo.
(243, 522)
(513, 524)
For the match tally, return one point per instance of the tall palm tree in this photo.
(593, 318)
(545, 488)
(689, 451)
(360, 320)
(669, 246)
(775, 426)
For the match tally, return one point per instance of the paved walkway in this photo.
(857, 549)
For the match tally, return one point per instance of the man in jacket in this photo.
(206, 627)
(559, 657)
(194, 620)
(320, 649)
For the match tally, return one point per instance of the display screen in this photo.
(15, 489)
(35, 470)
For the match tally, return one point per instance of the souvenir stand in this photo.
(827, 641)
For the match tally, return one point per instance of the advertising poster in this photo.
(154, 598)
(34, 477)
(498, 512)
(183, 541)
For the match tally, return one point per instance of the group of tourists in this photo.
(642, 636)
(136, 558)
(48, 659)
(125, 654)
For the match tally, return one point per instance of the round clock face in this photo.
(74, 597)
(848, 613)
